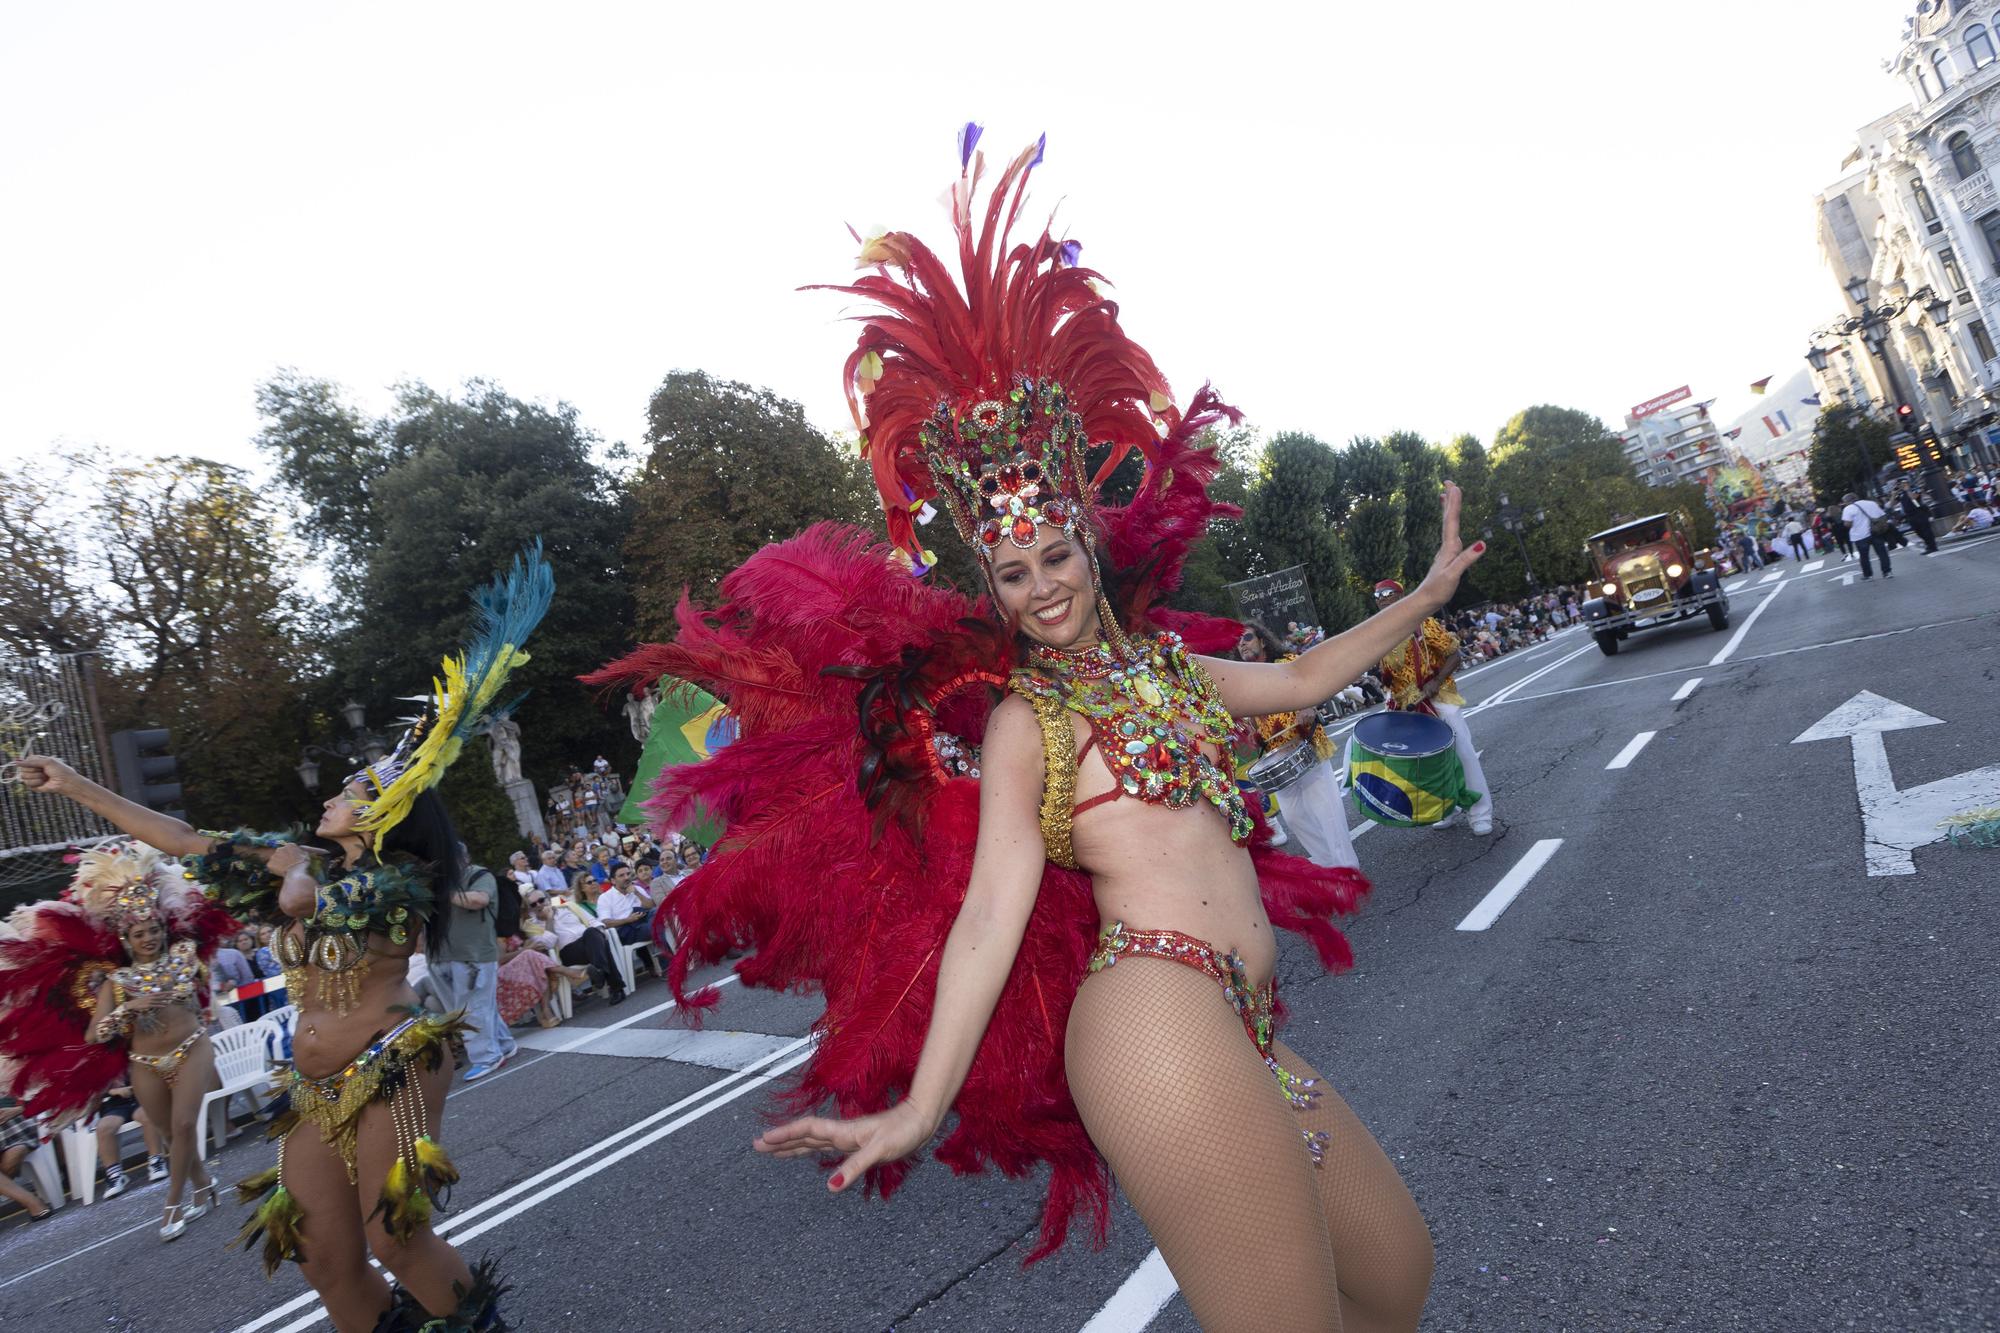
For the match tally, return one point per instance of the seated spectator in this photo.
(599, 865)
(529, 967)
(649, 887)
(549, 877)
(231, 969)
(1976, 519)
(622, 911)
(18, 1138)
(116, 1106)
(579, 943)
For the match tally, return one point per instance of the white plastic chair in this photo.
(565, 1000)
(79, 1156)
(624, 953)
(242, 1063)
(45, 1167)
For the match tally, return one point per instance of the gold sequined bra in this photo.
(1152, 708)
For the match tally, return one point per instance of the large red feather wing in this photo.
(52, 959)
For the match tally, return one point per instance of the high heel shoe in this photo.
(195, 1207)
(175, 1222)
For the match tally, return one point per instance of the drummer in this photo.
(1425, 685)
(1314, 812)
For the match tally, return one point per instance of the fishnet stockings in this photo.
(1211, 1154)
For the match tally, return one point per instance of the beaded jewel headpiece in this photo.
(116, 882)
(984, 391)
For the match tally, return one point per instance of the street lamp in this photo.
(1517, 521)
(360, 746)
(1873, 324)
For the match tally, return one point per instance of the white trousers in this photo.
(1475, 776)
(1316, 815)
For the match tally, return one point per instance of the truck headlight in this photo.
(1675, 571)
(1610, 590)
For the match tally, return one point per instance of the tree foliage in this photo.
(1848, 446)
(1423, 500)
(176, 571)
(729, 469)
(464, 483)
(1290, 520)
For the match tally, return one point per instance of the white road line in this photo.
(1134, 1304)
(151, 1223)
(1686, 689)
(1495, 902)
(1811, 566)
(1502, 695)
(1736, 639)
(1771, 577)
(575, 1160)
(1632, 747)
(1737, 586)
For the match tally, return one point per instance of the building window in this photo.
(1924, 85)
(1989, 227)
(1981, 340)
(1962, 157)
(1979, 46)
(1952, 273)
(1938, 67)
(1925, 208)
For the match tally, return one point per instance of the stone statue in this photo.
(639, 714)
(504, 735)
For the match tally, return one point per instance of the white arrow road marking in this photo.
(1142, 1296)
(1895, 823)
(1496, 900)
(1845, 578)
(1814, 565)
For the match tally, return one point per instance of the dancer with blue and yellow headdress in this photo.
(359, 1165)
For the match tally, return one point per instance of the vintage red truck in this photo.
(1649, 574)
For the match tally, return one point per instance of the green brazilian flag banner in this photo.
(688, 727)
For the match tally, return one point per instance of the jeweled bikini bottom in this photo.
(1253, 1004)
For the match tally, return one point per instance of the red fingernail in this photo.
(1479, 546)
(837, 1181)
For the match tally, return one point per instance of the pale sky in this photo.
(1353, 219)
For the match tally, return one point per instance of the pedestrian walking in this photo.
(1795, 533)
(1865, 522)
(1918, 515)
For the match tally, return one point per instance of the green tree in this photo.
(1468, 465)
(333, 459)
(458, 486)
(1289, 518)
(1848, 446)
(480, 811)
(1371, 474)
(1423, 500)
(729, 469)
(1225, 554)
(176, 571)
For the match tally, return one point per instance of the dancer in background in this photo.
(360, 1169)
(108, 985)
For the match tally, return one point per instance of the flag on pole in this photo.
(1761, 385)
(1730, 435)
(1772, 426)
(1784, 420)
(688, 727)
(1811, 400)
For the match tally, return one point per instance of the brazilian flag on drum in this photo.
(688, 727)
(1404, 770)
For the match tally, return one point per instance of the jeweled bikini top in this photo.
(1151, 708)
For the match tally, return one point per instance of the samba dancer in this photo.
(944, 897)
(1420, 673)
(359, 1167)
(117, 963)
(1313, 807)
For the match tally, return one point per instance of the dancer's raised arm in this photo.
(1253, 689)
(53, 777)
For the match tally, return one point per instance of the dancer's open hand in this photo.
(868, 1140)
(38, 772)
(1453, 556)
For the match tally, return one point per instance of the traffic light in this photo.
(1904, 412)
(146, 772)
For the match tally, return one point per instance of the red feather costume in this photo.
(849, 848)
(53, 956)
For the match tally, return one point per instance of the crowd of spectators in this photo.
(1498, 628)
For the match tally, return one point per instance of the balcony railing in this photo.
(1974, 193)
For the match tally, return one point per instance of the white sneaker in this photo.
(1482, 827)
(115, 1185)
(156, 1168)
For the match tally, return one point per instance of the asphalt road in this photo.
(1703, 1072)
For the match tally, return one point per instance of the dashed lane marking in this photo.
(1687, 688)
(1509, 888)
(1632, 747)
(1138, 1300)
(1771, 577)
(1810, 566)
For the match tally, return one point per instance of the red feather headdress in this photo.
(984, 392)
